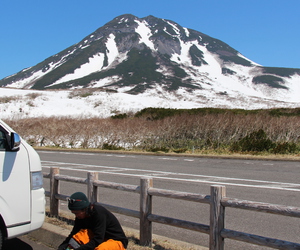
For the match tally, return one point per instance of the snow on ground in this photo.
(17, 103)
(294, 86)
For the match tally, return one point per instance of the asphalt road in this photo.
(275, 182)
(24, 243)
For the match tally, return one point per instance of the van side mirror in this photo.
(15, 141)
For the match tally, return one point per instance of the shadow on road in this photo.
(16, 244)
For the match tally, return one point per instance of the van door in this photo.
(14, 184)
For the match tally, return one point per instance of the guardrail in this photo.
(217, 201)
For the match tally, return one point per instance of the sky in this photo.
(265, 31)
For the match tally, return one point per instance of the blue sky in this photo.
(265, 31)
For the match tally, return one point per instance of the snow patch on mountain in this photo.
(144, 31)
(102, 82)
(187, 33)
(94, 64)
(112, 49)
(22, 83)
(294, 88)
(175, 28)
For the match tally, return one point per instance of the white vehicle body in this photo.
(22, 196)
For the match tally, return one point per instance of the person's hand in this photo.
(63, 246)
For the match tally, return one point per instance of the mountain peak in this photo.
(137, 55)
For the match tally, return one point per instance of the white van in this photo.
(22, 196)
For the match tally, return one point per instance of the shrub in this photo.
(157, 149)
(257, 141)
(33, 95)
(7, 99)
(119, 116)
(180, 150)
(81, 93)
(285, 148)
(111, 147)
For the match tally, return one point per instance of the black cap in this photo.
(78, 201)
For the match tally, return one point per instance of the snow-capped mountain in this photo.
(144, 57)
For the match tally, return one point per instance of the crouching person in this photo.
(94, 228)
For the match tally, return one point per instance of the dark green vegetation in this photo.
(160, 113)
(284, 72)
(272, 81)
(199, 131)
(258, 141)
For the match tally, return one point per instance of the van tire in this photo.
(1, 239)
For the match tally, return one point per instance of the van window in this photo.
(2, 140)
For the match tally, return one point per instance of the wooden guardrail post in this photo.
(145, 210)
(91, 188)
(54, 189)
(217, 215)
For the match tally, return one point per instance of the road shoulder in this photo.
(52, 235)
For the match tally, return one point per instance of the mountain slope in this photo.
(152, 55)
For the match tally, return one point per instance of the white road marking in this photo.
(183, 177)
(188, 159)
(166, 158)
